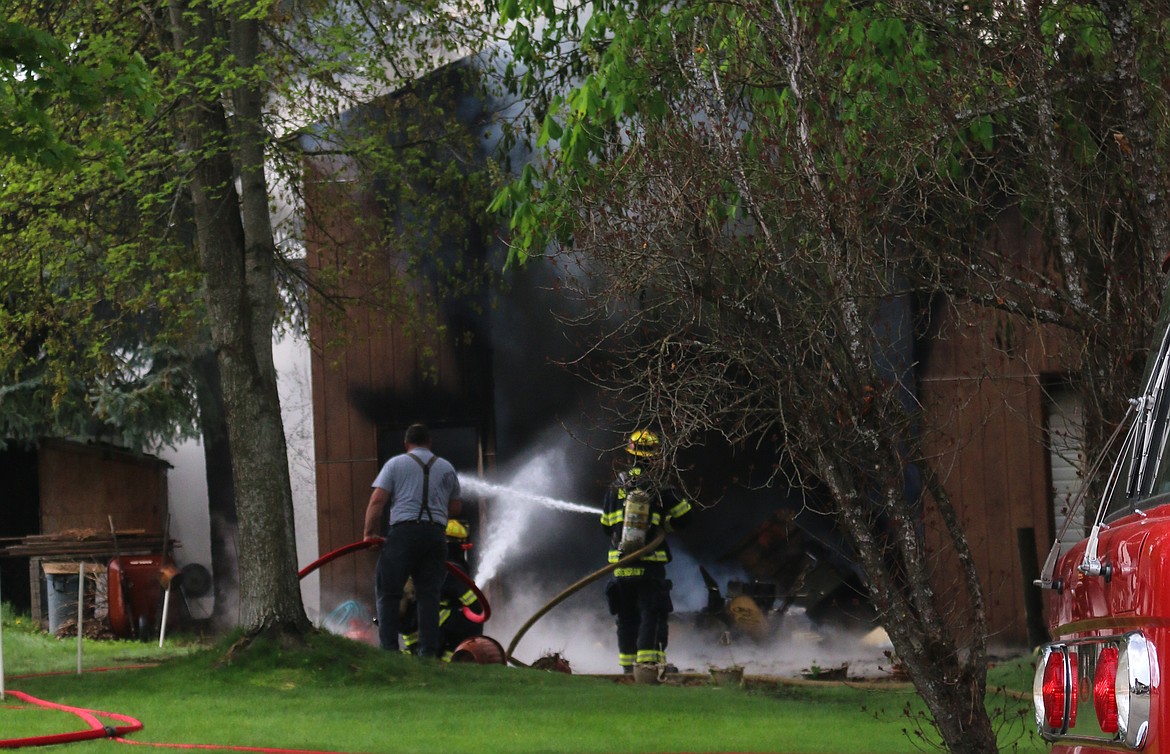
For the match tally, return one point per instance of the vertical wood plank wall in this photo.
(345, 443)
(370, 372)
(983, 393)
(82, 486)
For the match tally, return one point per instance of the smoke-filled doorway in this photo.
(461, 445)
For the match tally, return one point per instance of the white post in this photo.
(162, 631)
(80, 608)
(1, 644)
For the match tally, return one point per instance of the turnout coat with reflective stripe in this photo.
(670, 512)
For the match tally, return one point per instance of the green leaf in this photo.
(550, 129)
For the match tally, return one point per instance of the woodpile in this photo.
(82, 543)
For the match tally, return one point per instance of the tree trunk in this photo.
(885, 536)
(1136, 144)
(221, 498)
(873, 505)
(239, 291)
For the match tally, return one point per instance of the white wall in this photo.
(294, 380)
(187, 500)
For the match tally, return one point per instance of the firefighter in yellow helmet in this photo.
(642, 443)
(634, 511)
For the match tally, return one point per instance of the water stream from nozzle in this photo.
(477, 486)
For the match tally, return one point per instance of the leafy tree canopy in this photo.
(43, 68)
(771, 204)
(87, 257)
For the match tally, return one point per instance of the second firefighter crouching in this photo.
(635, 510)
(459, 606)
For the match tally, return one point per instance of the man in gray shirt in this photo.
(421, 490)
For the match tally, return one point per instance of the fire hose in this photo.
(574, 588)
(459, 574)
(454, 570)
(98, 729)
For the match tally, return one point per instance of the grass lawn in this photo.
(340, 696)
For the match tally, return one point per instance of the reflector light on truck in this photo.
(1104, 689)
(1054, 694)
(1117, 671)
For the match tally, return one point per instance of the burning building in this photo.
(446, 336)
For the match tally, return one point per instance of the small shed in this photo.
(60, 499)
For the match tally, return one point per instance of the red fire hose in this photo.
(370, 544)
(468, 613)
(97, 729)
(361, 544)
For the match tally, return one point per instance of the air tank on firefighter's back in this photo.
(1098, 684)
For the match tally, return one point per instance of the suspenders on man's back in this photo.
(426, 491)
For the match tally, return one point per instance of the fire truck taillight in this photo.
(1104, 689)
(1117, 675)
(1054, 689)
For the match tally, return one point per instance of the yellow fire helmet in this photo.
(456, 530)
(642, 443)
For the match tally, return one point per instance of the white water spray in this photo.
(499, 491)
(510, 510)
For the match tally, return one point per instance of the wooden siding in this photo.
(372, 372)
(982, 387)
(983, 395)
(82, 486)
(345, 441)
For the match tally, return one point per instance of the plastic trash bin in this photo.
(61, 588)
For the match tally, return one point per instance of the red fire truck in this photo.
(1098, 682)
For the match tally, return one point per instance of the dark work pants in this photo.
(417, 551)
(642, 605)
